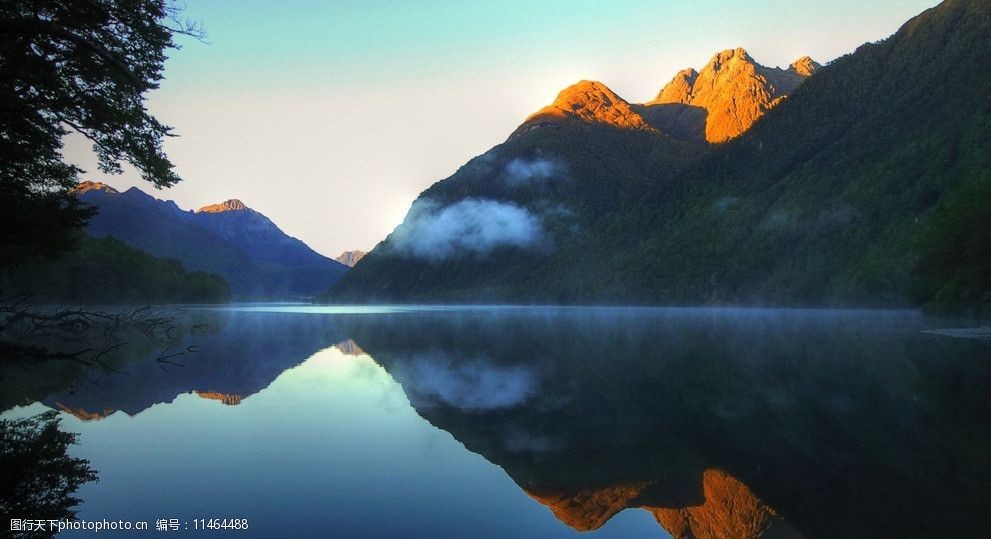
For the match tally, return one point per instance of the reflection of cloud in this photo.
(473, 385)
(478, 226)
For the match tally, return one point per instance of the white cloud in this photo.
(473, 226)
(520, 172)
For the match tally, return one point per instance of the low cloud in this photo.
(520, 172)
(476, 226)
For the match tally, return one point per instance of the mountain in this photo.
(255, 257)
(350, 258)
(505, 215)
(256, 234)
(867, 186)
(724, 99)
(713, 105)
(587, 101)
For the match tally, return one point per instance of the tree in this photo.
(38, 475)
(79, 66)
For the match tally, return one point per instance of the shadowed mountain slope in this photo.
(255, 257)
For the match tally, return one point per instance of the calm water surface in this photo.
(552, 422)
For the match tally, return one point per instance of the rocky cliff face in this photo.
(725, 98)
(228, 205)
(715, 104)
(88, 186)
(588, 102)
(350, 258)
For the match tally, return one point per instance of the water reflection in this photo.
(719, 423)
(38, 475)
(469, 384)
(716, 423)
(223, 356)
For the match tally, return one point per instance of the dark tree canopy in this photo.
(83, 66)
(37, 474)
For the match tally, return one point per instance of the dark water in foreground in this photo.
(498, 422)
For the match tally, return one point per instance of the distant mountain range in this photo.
(257, 259)
(865, 182)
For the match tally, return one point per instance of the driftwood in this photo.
(23, 325)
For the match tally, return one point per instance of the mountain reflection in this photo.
(720, 423)
(227, 357)
(730, 509)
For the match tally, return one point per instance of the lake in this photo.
(531, 422)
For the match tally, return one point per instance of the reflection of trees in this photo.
(38, 477)
(46, 348)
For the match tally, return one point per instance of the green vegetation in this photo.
(106, 271)
(955, 258)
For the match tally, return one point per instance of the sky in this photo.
(330, 117)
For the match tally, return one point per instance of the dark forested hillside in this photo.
(478, 234)
(106, 271)
(868, 186)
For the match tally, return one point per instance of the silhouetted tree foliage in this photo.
(38, 477)
(76, 66)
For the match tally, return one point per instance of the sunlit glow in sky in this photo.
(330, 117)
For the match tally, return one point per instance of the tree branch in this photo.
(29, 26)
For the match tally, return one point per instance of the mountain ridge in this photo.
(232, 204)
(712, 105)
(254, 255)
(726, 97)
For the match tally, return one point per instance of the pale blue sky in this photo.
(330, 117)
